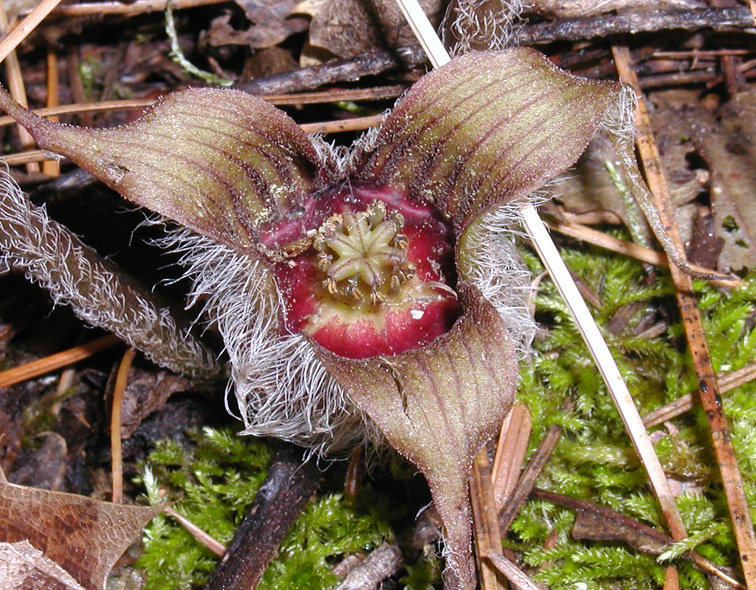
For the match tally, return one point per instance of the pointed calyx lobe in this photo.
(486, 129)
(365, 267)
(218, 162)
(438, 405)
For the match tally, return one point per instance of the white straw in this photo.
(424, 32)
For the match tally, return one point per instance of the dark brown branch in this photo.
(598, 523)
(337, 70)
(285, 491)
(723, 20)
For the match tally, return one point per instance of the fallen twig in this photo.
(682, 404)
(510, 452)
(333, 71)
(527, 480)
(212, 544)
(594, 526)
(383, 561)
(487, 539)
(598, 238)
(724, 20)
(513, 573)
(285, 491)
(26, 27)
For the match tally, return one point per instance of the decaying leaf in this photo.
(147, 392)
(83, 537)
(599, 523)
(727, 144)
(710, 166)
(271, 20)
(22, 567)
(45, 466)
(587, 189)
(347, 28)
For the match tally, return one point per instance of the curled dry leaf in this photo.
(22, 567)
(81, 536)
(706, 156)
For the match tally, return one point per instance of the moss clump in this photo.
(595, 461)
(214, 484)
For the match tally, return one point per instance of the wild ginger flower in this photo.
(378, 285)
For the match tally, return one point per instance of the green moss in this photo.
(594, 459)
(214, 483)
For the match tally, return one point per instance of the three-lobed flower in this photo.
(371, 289)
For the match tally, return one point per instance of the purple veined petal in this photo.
(217, 161)
(437, 406)
(485, 129)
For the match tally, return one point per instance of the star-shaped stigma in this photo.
(364, 250)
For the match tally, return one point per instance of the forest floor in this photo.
(574, 505)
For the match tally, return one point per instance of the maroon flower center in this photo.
(364, 272)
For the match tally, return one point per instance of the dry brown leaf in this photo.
(706, 156)
(147, 392)
(723, 143)
(728, 148)
(22, 567)
(271, 21)
(84, 537)
(44, 467)
(347, 28)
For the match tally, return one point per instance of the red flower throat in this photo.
(364, 272)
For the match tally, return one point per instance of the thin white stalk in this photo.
(575, 303)
(606, 363)
(425, 33)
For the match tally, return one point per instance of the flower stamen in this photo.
(364, 251)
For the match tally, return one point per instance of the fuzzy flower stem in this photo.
(97, 291)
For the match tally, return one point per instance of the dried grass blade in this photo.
(510, 452)
(52, 167)
(609, 371)
(514, 574)
(487, 539)
(598, 238)
(17, 89)
(55, 361)
(116, 456)
(23, 30)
